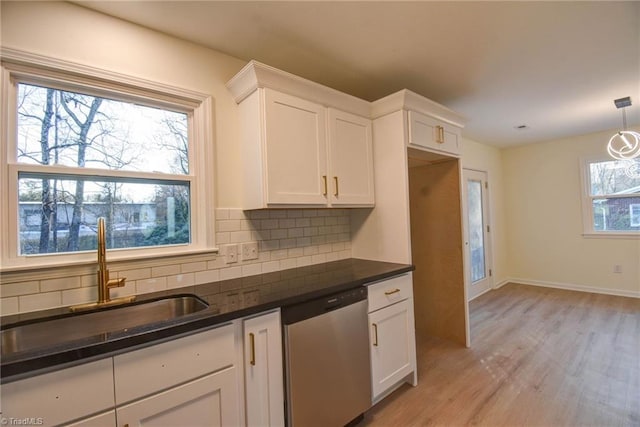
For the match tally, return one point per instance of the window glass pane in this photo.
(60, 215)
(614, 177)
(58, 127)
(619, 214)
(476, 230)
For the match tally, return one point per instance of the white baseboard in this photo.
(571, 287)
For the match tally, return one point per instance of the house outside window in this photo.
(79, 147)
(611, 198)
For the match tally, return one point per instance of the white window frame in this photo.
(587, 204)
(18, 66)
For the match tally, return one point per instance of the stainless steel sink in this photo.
(51, 332)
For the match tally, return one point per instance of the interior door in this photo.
(477, 233)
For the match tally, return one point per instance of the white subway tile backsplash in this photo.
(222, 213)
(151, 285)
(181, 280)
(295, 252)
(19, 288)
(228, 225)
(286, 238)
(236, 214)
(279, 254)
(239, 236)
(278, 213)
(207, 276)
(129, 288)
(222, 238)
(192, 267)
(51, 285)
(251, 269)
(230, 273)
(288, 263)
(270, 266)
(318, 258)
(8, 306)
(137, 274)
(303, 261)
(79, 296)
(279, 233)
(165, 270)
(295, 232)
(40, 301)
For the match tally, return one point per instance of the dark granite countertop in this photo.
(228, 300)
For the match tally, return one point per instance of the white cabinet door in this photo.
(207, 402)
(392, 345)
(263, 370)
(295, 150)
(102, 420)
(350, 159)
(427, 132)
(61, 396)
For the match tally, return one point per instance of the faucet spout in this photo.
(104, 283)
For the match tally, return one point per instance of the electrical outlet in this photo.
(249, 250)
(617, 268)
(231, 253)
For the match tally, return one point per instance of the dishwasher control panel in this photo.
(305, 310)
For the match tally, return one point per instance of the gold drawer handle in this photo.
(335, 178)
(252, 341)
(395, 291)
(440, 135)
(324, 180)
(375, 334)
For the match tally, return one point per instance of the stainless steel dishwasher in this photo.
(327, 368)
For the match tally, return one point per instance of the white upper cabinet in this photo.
(303, 144)
(427, 132)
(350, 159)
(295, 150)
(428, 126)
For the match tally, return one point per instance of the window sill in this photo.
(611, 235)
(118, 261)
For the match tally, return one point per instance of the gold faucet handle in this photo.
(116, 283)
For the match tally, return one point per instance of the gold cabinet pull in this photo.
(335, 179)
(252, 342)
(440, 136)
(324, 179)
(375, 334)
(395, 291)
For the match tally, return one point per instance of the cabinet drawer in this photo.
(61, 396)
(389, 291)
(427, 132)
(149, 370)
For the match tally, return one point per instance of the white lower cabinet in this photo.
(195, 380)
(264, 380)
(189, 381)
(208, 401)
(393, 348)
(61, 397)
(101, 420)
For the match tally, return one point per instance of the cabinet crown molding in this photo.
(408, 100)
(256, 75)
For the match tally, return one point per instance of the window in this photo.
(612, 197)
(80, 147)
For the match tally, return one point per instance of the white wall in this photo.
(72, 33)
(542, 184)
(489, 159)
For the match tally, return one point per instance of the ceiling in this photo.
(555, 67)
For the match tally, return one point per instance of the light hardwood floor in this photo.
(538, 357)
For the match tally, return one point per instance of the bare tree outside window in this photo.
(86, 134)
